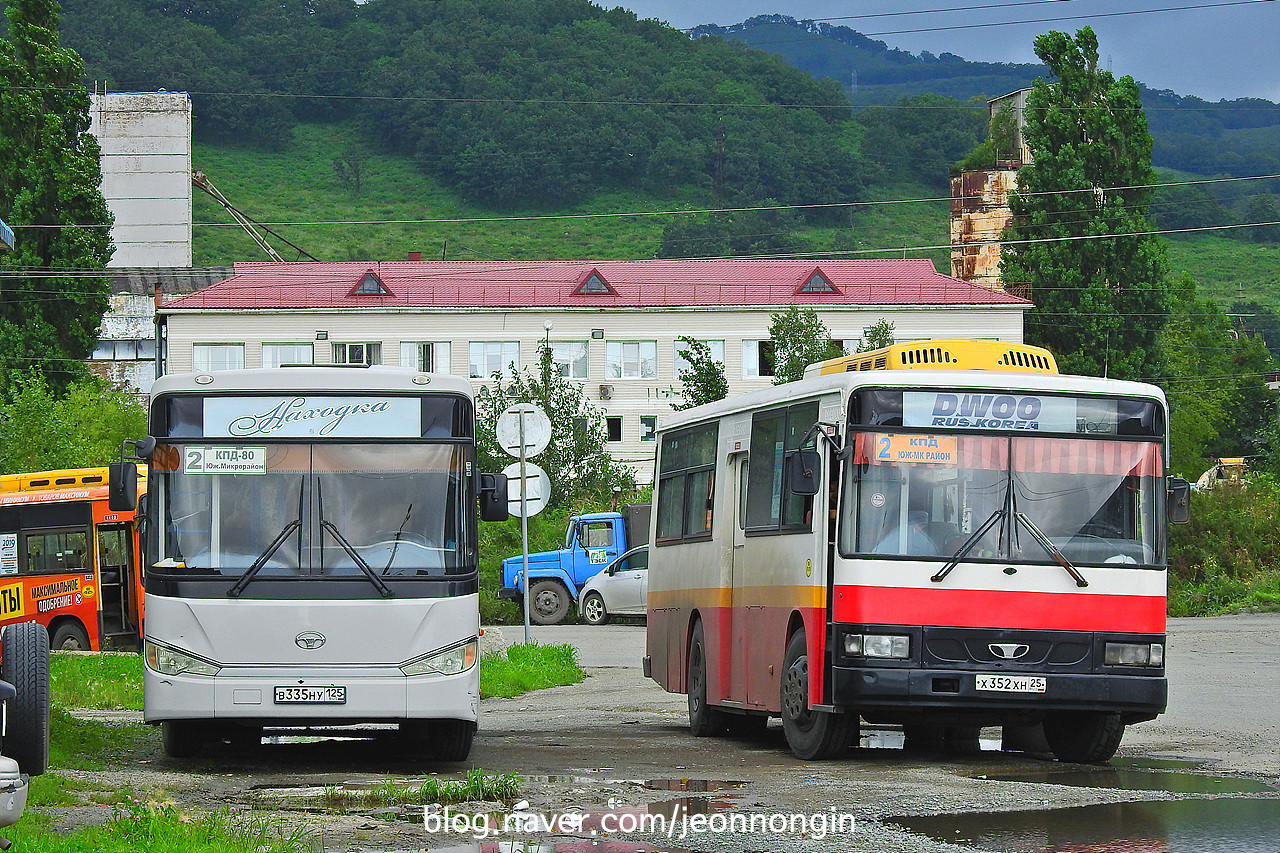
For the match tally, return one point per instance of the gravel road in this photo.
(592, 747)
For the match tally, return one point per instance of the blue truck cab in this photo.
(591, 542)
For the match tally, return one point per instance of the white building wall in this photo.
(145, 139)
(629, 399)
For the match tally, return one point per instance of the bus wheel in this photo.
(593, 610)
(24, 663)
(810, 734)
(452, 739)
(70, 637)
(704, 720)
(549, 603)
(180, 738)
(1083, 737)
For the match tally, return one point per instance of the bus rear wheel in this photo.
(548, 602)
(70, 637)
(810, 734)
(181, 738)
(704, 720)
(1083, 737)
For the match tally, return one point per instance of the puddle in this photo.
(697, 786)
(1181, 826)
(281, 739)
(1137, 775)
(588, 846)
(877, 739)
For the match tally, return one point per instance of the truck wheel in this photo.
(70, 637)
(548, 602)
(704, 720)
(24, 663)
(181, 738)
(810, 734)
(452, 739)
(1083, 737)
(593, 610)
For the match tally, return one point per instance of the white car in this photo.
(619, 589)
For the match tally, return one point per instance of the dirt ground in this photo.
(591, 748)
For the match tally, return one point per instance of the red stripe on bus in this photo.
(984, 608)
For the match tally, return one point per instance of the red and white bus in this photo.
(68, 561)
(944, 535)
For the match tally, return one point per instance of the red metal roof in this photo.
(545, 284)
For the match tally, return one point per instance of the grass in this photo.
(77, 744)
(149, 827)
(476, 787)
(105, 681)
(520, 668)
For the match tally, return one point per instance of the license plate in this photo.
(328, 695)
(1011, 683)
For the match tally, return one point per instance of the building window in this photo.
(427, 356)
(632, 359)
(613, 428)
(648, 427)
(757, 358)
(128, 349)
(717, 354)
(274, 355)
(206, 358)
(363, 353)
(490, 357)
(570, 359)
(686, 484)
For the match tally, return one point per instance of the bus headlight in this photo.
(451, 661)
(167, 661)
(1134, 654)
(878, 645)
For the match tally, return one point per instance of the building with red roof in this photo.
(612, 324)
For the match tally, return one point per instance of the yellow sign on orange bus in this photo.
(11, 603)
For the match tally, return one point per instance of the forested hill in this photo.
(1238, 137)
(505, 100)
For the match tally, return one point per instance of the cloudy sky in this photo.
(1209, 48)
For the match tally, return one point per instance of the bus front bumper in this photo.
(369, 696)
(892, 688)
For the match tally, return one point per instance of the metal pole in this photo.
(524, 527)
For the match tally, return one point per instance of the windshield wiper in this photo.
(1047, 544)
(395, 546)
(359, 561)
(967, 546)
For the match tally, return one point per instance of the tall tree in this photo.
(1079, 217)
(800, 338)
(702, 379)
(50, 302)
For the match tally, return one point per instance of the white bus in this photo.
(311, 554)
(944, 535)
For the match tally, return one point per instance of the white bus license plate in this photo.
(1011, 683)
(328, 695)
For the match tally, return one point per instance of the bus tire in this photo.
(452, 739)
(181, 738)
(24, 663)
(593, 609)
(548, 602)
(1083, 737)
(704, 720)
(71, 637)
(812, 735)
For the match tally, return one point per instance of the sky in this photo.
(1213, 49)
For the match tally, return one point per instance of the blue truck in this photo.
(591, 541)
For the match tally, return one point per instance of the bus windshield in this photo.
(314, 510)
(935, 496)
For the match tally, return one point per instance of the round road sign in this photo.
(527, 421)
(537, 486)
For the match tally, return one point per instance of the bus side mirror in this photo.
(1179, 501)
(493, 497)
(122, 486)
(802, 475)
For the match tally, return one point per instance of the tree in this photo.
(580, 469)
(49, 190)
(800, 338)
(702, 379)
(876, 336)
(1100, 298)
(42, 431)
(1262, 208)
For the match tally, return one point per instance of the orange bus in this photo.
(68, 562)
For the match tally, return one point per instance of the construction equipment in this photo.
(248, 223)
